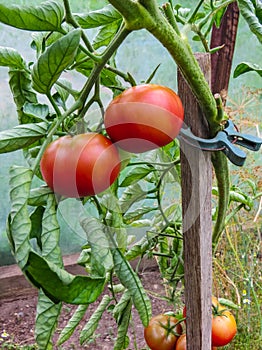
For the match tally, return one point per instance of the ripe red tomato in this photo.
(224, 328)
(162, 332)
(144, 117)
(82, 165)
(181, 343)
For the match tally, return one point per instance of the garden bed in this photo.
(18, 310)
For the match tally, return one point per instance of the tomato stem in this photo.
(71, 20)
(117, 41)
(167, 8)
(220, 164)
(52, 131)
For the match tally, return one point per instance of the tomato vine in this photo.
(63, 45)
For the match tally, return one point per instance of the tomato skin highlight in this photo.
(144, 117)
(158, 337)
(224, 328)
(79, 166)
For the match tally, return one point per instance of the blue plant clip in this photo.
(225, 141)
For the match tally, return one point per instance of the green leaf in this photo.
(106, 34)
(107, 77)
(51, 233)
(136, 174)
(121, 306)
(240, 197)
(41, 40)
(122, 313)
(19, 222)
(101, 257)
(48, 16)
(182, 11)
(218, 16)
(252, 13)
(36, 112)
(21, 87)
(98, 18)
(228, 303)
(62, 93)
(139, 249)
(11, 58)
(74, 321)
(131, 195)
(54, 61)
(47, 313)
(91, 326)
(36, 224)
(137, 214)
(163, 247)
(59, 285)
(245, 67)
(21, 136)
(38, 196)
(130, 280)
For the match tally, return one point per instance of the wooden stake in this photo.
(221, 61)
(196, 172)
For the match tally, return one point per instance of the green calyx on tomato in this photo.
(144, 117)
(81, 165)
(162, 332)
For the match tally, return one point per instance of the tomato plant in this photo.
(82, 165)
(162, 332)
(144, 117)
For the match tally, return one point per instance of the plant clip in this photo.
(225, 141)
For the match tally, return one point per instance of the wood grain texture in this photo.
(196, 173)
(221, 61)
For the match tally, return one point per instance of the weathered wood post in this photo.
(196, 171)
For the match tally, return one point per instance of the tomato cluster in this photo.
(142, 118)
(165, 332)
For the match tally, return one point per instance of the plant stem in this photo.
(219, 161)
(71, 20)
(192, 17)
(127, 77)
(167, 8)
(213, 12)
(117, 41)
(53, 130)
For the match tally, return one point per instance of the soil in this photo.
(17, 319)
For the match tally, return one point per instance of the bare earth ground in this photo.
(17, 318)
